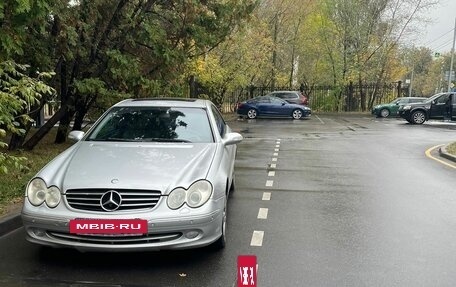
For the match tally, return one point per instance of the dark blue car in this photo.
(269, 106)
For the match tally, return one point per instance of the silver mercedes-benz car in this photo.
(150, 174)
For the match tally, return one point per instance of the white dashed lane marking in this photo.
(263, 213)
(274, 159)
(273, 165)
(257, 238)
(271, 173)
(269, 183)
(266, 196)
(275, 154)
(276, 149)
(277, 145)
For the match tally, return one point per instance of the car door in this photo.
(229, 151)
(453, 107)
(437, 109)
(280, 107)
(264, 106)
(395, 106)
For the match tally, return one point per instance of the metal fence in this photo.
(350, 98)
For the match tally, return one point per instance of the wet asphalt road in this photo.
(354, 201)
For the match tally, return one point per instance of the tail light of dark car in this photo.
(238, 106)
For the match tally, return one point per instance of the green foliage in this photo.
(19, 18)
(18, 92)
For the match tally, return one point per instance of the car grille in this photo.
(132, 199)
(115, 239)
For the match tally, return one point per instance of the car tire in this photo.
(384, 113)
(221, 242)
(296, 114)
(252, 114)
(233, 184)
(418, 117)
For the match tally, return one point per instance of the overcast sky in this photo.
(438, 34)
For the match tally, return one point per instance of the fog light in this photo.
(191, 234)
(38, 232)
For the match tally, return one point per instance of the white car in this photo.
(150, 174)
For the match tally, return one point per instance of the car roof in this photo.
(164, 102)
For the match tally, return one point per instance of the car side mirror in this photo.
(76, 135)
(232, 138)
(283, 104)
(433, 102)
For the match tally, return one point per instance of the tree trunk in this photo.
(274, 52)
(63, 126)
(16, 140)
(78, 120)
(362, 94)
(39, 135)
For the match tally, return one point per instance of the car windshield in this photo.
(396, 101)
(153, 124)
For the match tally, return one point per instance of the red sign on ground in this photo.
(247, 270)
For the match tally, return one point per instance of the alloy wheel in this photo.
(384, 113)
(418, 117)
(297, 114)
(251, 114)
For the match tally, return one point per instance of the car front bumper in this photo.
(405, 114)
(196, 229)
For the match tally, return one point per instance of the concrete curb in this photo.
(10, 223)
(444, 153)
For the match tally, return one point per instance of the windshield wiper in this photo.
(166, 140)
(113, 140)
(141, 140)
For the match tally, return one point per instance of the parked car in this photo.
(391, 109)
(433, 108)
(293, 97)
(269, 106)
(150, 174)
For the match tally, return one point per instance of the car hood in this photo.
(382, 106)
(154, 166)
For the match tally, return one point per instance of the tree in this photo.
(18, 92)
(119, 48)
(240, 61)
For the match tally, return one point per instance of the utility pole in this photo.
(452, 57)
(411, 81)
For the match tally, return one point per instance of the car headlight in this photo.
(406, 108)
(177, 198)
(197, 195)
(38, 192)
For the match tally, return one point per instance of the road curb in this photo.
(444, 153)
(10, 223)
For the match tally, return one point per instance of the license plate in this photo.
(108, 226)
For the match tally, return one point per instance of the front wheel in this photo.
(221, 242)
(297, 114)
(252, 113)
(418, 117)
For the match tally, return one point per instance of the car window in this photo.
(263, 100)
(442, 99)
(416, 100)
(290, 96)
(221, 125)
(277, 101)
(162, 124)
